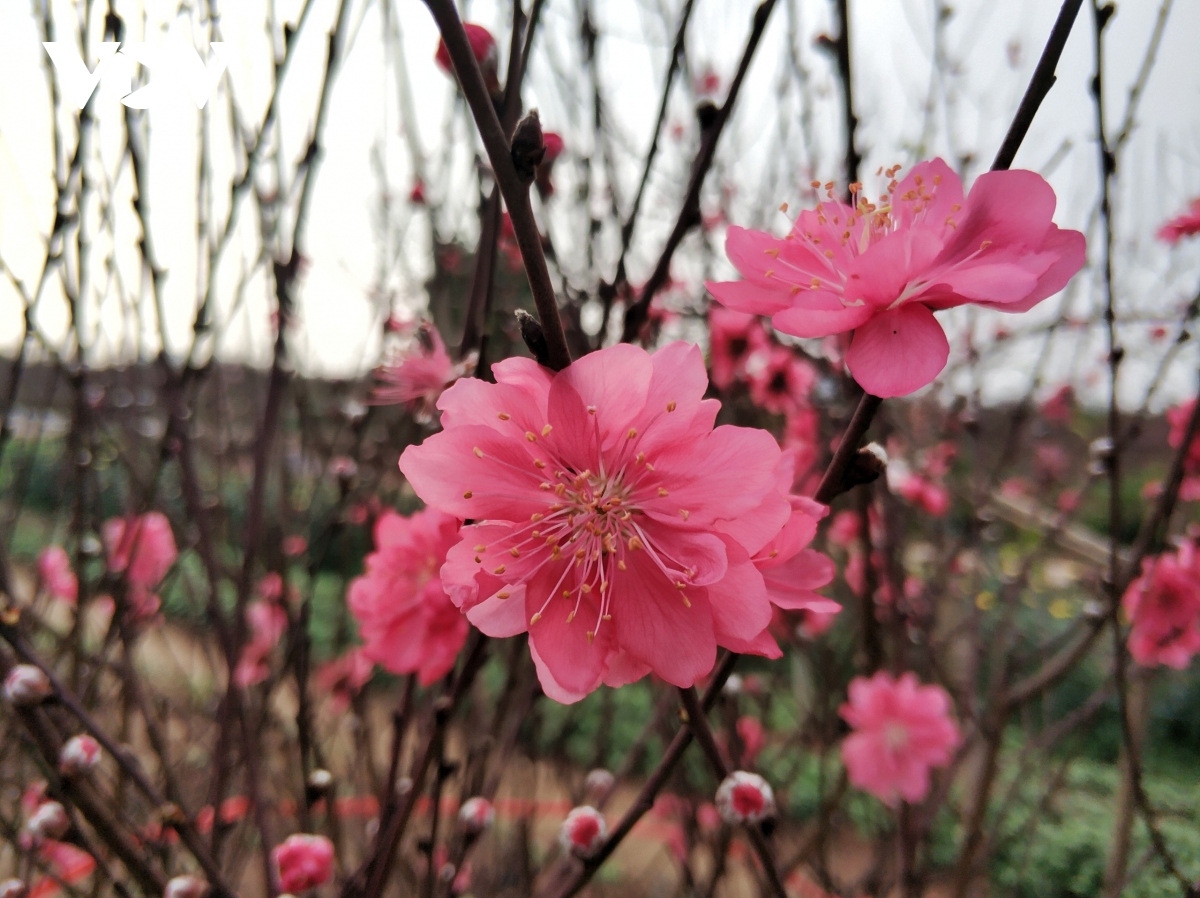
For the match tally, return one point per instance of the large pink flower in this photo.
(611, 520)
(901, 730)
(879, 272)
(1164, 605)
(1184, 225)
(404, 616)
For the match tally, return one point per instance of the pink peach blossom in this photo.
(418, 374)
(1184, 225)
(404, 616)
(901, 730)
(344, 677)
(752, 735)
(924, 493)
(79, 754)
(611, 520)
(303, 862)
(143, 548)
(879, 272)
(27, 685)
(779, 379)
(733, 339)
(54, 567)
(267, 622)
(1164, 606)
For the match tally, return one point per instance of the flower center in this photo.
(895, 736)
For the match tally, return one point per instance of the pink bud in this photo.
(476, 815)
(598, 784)
(79, 755)
(483, 47)
(583, 832)
(186, 887)
(303, 861)
(13, 888)
(745, 798)
(708, 818)
(49, 821)
(26, 686)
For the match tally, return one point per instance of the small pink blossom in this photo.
(924, 493)
(598, 784)
(267, 622)
(745, 798)
(80, 754)
(418, 374)
(344, 677)
(294, 546)
(779, 379)
(303, 862)
(26, 685)
(54, 567)
(901, 730)
(417, 195)
(1184, 225)
(708, 818)
(733, 339)
(1164, 606)
(1060, 405)
(583, 832)
(879, 272)
(476, 815)
(404, 616)
(49, 821)
(483, 47)
(611, 520)
(143, 548)
(554, 145)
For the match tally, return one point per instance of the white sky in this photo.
(762, 160)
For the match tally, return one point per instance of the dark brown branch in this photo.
(689, 213)
(512, 188)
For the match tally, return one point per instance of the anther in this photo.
(503, 416)
(546, 430)
(499, 570)
(671, 406)
(468, 494)
(531, 436)
(478, 452)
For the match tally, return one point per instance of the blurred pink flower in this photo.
(1164, 606)
(1184, 225)
(901, 730)
(613, 522)
(483, 46)
(924, 493)
(779, 379)
(26, 686)
(267, 622)
(417, 195)
(303, 862)
(343, 678)
(54, 567)
(554, 145)
(294, 546)
(143, 548)
(750, 731)
(733, 339)
(418, 374)
(880, 272)
(404, 616)
(1060, 405)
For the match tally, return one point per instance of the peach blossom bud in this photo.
(598, 784)
(476, 815)
(583, 832)
(186, 887)
(26, 686)
(79, 755)
(303, 861)
(13, 888)
(745, 798)
(49, 821)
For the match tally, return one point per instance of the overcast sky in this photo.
(991, 46)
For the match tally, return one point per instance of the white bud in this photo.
(49, 821)
(745, 798)
(476, 815)
(598, 784)
(26, 686)
(583, 832)
(79, 755)
(186, 887)
(13, 888)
